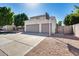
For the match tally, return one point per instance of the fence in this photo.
(65, 29)
(69, 29)
(76, 30)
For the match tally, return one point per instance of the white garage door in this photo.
(45, 27)
(32, 28)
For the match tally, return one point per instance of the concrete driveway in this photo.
(18, 44)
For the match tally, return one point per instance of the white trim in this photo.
(40, 28)
(49, 28)
(25, 27)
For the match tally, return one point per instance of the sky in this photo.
(59, 10)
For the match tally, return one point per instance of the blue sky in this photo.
(59, 10)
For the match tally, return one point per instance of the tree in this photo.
(19, 19)
(76, 9)
(67, 20)
(6, 16)
(71, 19)
(74, 18)
(60, 23)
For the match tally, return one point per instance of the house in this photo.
(41, 24)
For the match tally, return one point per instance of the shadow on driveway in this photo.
(36, 34)
(73, 50)
(7, 33)
(67, 36)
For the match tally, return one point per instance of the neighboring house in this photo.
(41, 24)
(8, 28)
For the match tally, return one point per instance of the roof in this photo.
(37, 16)
(52, 17)
(44, 15)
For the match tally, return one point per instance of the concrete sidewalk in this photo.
(18, 44)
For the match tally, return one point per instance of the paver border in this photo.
(33, 46)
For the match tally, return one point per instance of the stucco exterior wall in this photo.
(76, 30)
(68, 29)
(53, 26)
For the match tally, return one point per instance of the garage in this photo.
(32, 28)
(45, 28)
(36, 28)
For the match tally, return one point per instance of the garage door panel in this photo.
(32, 28)
(45, 28)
